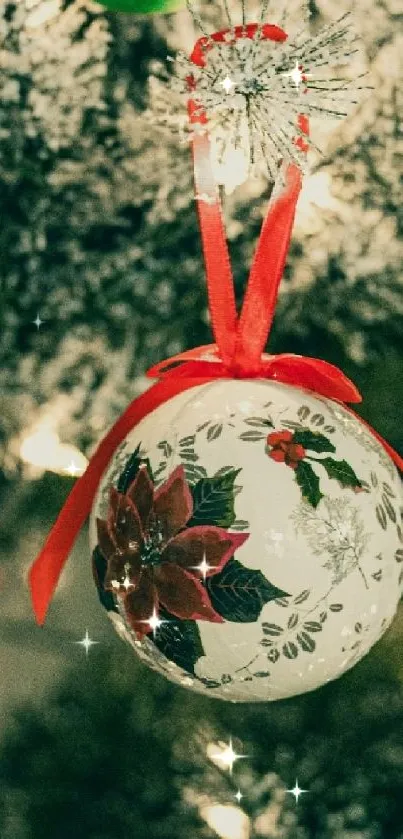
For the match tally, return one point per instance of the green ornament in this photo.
(142, 7)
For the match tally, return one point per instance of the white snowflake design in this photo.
(334, 528)
(254, 89)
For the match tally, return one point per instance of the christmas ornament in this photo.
(245, 540)
(245, 534)
(141, 7)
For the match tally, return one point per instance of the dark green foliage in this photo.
(97, 762)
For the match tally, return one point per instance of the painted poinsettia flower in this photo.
(283, 450)
(154, 558)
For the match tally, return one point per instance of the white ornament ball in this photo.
(247, 540)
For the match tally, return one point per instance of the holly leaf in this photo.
(213, 500)
(316, 442)
(132, 467)
(341, 471)
(308, 481)
(178, 640)
(238, 594)
(99, 566)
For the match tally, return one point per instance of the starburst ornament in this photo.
(255, 83)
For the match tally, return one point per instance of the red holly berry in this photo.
(284, 450)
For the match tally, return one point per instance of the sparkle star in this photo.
(297, 75)
(228, 757)
(204, 567)
(154, 621)
(296, 791)
(38, 322)
(227, 84)
(238, 795)
(73, 469)
(86, 642)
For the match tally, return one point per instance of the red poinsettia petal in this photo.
(277, 437)
(183, 595)
(139, 605)
(189, 548)
(278, 455)
(124, 522)
(106, 543)
(173, 503)
(141, 492)
(122, 568)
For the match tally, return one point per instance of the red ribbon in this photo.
(239, 345)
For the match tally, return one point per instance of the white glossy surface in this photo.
(342, 552)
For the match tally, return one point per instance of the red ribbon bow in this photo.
(240, 341)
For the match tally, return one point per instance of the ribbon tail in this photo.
(267, 270)
(45, 571)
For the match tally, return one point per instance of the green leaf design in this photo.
(213, 500)
(203, 425)
(252, 436)
(259, 422)
(99, 566)
(193, 472)
(187, 441)
(306, 643)
(179, 641)
(341, 471)
(273, 655)
(292, 620)
(302, 596)
(132, 467)
(381, 516)
(214, 432)
(240, 524)
(315, 442)
(389, 508)
(308, 481)
(165, 447)
(290, 650)
(272, 628)
(313, 626)
(238, 594)
(223, 471)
